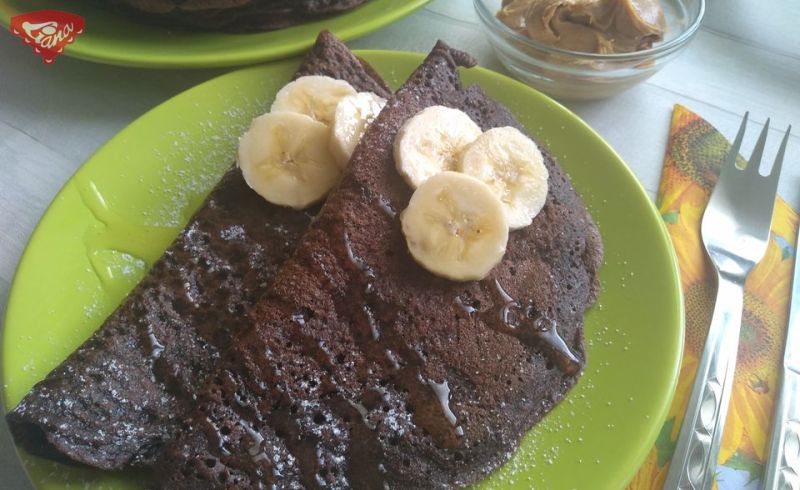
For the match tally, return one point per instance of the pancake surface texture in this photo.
(363, 370)
(116, 400)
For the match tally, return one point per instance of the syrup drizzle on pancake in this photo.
(522, 320)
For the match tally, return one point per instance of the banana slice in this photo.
(512, 165)
(432, 142)
(455, 226)
(284, 157)
(315, 96)
(352, 116)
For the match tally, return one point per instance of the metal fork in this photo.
(735, 230)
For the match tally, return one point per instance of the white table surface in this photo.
(52, 118)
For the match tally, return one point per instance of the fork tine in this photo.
(776, 167)
(730, 159)
(758, 151)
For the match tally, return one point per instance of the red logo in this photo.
(47, 31)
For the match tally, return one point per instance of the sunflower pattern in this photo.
(691, 167)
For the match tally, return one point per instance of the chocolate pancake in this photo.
(232, 15)
(363, 370)
(115, 400)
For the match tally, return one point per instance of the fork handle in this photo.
(695, 458)
(783, 466)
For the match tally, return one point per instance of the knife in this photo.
(783, 464)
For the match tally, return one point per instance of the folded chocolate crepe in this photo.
(116, 399)
(232, 15)
(363, 370)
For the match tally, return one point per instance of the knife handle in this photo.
(783, 464)
(694, 461)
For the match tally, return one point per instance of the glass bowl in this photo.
(573, 75)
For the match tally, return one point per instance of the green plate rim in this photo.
(674, 349)
(266, 52)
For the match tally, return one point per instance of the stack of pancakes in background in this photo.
(232, 15)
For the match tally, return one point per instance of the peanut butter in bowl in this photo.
(587, 49)
(588, 26)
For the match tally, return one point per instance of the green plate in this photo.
(117, 40)
(122, 208)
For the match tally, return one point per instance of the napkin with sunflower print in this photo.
(691, 166)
